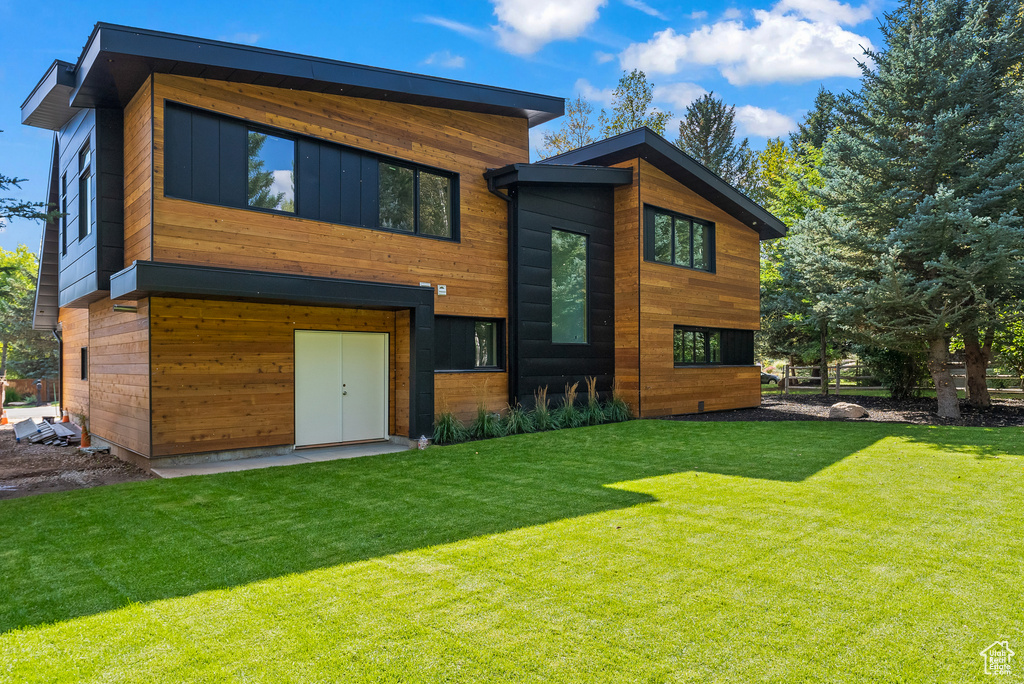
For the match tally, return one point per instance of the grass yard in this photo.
(640, 552)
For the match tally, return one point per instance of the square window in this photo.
(671, 238)
(270, 173)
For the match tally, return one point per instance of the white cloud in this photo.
(698, 15)
(751, 120)
(732, 13)
(282, 183)
(644, 7)
(446, 59)
(600, 96)
(457, 26)
(791, 42)
(525, 26)
(243, 38)
(603, 57)
(680, 95)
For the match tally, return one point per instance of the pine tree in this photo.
(923, 182)
(819, 123)
(631, 107)
(708, 134)
(576, 131)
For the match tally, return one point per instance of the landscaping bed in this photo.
(1004, 412)
(39, 468)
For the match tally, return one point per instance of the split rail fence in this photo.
(854, 371)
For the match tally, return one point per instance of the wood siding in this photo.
(75, 334)
(627, 297)
(224, 372)
(138, 185)
(474, 269)
(462, 393)
(670, 296)
(119, 375)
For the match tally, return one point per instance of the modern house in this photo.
(262, 250)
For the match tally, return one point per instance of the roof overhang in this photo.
(149, 278)
(548, 174)
(48, 104)
(117, 59)
(645, 144)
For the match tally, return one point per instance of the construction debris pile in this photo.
(47, 432)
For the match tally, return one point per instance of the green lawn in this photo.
(640, 552)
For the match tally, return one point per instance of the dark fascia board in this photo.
(45, 315)
(643, 143)
(117, 59)
(548, 174)
(148, 278)
(47, 104)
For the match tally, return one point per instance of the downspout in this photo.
(511, 336)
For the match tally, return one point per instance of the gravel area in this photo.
(1004, 412)
(27, 469)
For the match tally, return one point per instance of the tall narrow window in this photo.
(85, 193)
(435, 204)
(397, 197)
(485, 344)
(568, 287)
(64, 213)
(85, 363)
(271, 172)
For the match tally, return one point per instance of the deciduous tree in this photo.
(631, 107)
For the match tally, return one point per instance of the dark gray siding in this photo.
(536, 360)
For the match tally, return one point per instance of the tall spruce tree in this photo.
(923, 182)
(821, 120)
(708, 134)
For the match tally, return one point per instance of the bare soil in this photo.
(27, 469)
(1004, 412)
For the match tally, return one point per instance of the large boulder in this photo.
(845, 409)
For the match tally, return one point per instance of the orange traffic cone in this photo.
(3, 417)
(65, 418)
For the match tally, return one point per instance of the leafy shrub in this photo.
(542, 419)
(448, 429)
(900, 372)
(593, 414)
(13, 395)
(486, 424)
(518, 420)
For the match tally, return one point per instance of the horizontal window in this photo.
(696, 346)
(217, 159)
(463, 343)
(671, 238)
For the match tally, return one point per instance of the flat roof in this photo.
(117, 59)
(643, 143)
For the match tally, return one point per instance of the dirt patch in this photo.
(1004, 412)
(27, 469)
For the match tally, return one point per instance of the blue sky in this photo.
(766, 57)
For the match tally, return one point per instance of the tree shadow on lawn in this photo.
(85, 552)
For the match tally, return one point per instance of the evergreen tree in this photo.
(708, 134)
(576, 131)
(819, 123)
(923, 183)
(631, 107)
(260, 179)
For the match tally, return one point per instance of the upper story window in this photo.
(569, 322)
(671, 238)
(306, 177)
(64, 213)
(86, 191)
(270, 172)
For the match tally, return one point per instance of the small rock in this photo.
(845, 409)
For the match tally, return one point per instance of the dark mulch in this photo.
(1004, 412)
(27, 469)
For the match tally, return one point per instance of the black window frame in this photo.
(732, 343)
(251, 127)
(86, 194)
(586, 304)
(85, 362)
(443, 329)
(651, 211)
(64, 213)
(298, 138)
